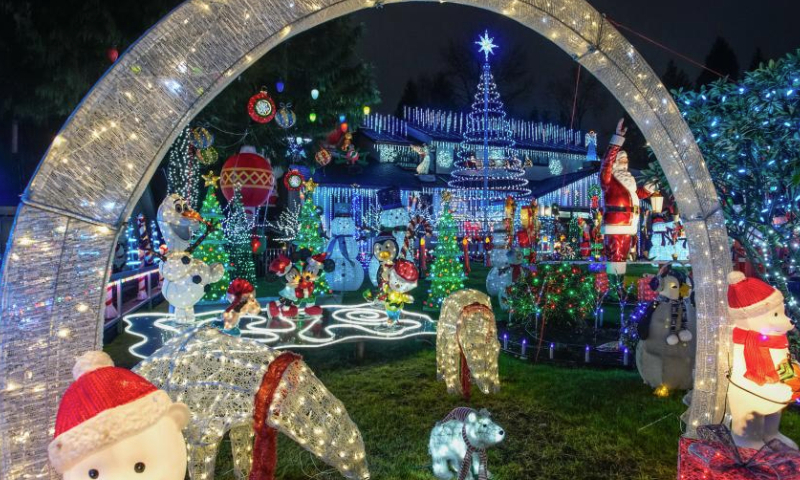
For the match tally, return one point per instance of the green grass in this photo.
(562, 423)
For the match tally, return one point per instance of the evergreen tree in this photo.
(212, 250)
(238, 230)
(183, 169)
(757, 60)
(721, 59)
(675, 78)
(447, 271)
(574, 234)
(495, 167)
(309, 233)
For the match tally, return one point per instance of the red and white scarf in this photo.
(757, 359)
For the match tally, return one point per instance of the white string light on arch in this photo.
(54, 274)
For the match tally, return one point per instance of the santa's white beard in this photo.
(624, 177)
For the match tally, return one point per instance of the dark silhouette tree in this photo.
(675, 78)
(721, 59)
(757, 60)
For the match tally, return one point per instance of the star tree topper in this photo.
(210, 179)
(487, 45)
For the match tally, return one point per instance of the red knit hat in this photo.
(406, 270)
(240, 287)
(104, 405)
(750, 297)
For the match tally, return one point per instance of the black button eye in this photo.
(179, 208)
(776, 314)
(185, 260)
(93, 473)
(197, 279)
(139, 467)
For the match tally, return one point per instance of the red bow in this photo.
(757, 359)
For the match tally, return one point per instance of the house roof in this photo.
(377, 175)
(551, 184)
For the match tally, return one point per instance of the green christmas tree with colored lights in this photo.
(212, 250)
(309, 232)
(563, 295)
(237, 235)
(447, 271)
(574, 235)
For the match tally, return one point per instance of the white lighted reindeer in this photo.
(185, 277)
(222, 380)
(466, 343)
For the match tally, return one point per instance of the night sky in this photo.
(404, 41)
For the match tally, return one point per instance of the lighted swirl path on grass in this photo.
(339, 324)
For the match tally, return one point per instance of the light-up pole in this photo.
(487, 47)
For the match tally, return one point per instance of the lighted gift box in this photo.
(717, 458)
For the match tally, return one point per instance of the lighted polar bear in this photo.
(458, 444)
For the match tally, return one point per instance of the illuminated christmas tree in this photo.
(183, 169)
(134, 261)
(487, 170)
(447, 271)
(212, 250)
(238, 228)
(309, 232)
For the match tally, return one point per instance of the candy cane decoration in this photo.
(144, 241)
(411, 232)
(111, 312)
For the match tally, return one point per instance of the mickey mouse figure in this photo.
(298, 296)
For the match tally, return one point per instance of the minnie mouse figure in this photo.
(298, 296)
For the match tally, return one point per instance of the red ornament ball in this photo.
(261, 107)
(112, 54)
(255, 244)
(253, 174)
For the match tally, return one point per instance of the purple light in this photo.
(552, 345)
(505, 336)
(524, 341)
(587, 348)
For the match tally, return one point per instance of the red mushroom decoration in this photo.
(253, 174)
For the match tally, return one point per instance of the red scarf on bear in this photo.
(757, 359)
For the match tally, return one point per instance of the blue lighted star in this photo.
(487, 45)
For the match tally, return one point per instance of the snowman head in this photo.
(755, 305)
(177, 221)
(403, 276)
(395, 217)
(114, 424)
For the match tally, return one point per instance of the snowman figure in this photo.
(402, 279)
(114, 424)
(763, 378)
(348, 274)
(499, 277)
(394, 219)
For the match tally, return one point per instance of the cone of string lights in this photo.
(487, 169)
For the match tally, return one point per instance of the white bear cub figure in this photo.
(458, 444)
(761, 362)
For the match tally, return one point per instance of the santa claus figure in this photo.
(114, 424)
(621, 197)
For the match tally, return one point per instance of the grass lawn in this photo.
(562, 423)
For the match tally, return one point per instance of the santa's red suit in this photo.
(621, 211)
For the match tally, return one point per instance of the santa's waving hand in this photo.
(621, 203)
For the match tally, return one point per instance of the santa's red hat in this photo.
(104, 405)
(406, 270)
(750, 297)
(280, 265)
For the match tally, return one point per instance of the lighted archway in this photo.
(98, 166)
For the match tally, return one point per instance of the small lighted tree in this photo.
(238, 229)
(212, 250)
(447, 271)
(309, 231)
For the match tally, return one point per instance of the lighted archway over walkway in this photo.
(98, 166)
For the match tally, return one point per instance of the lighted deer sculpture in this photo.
(236, 385)
(466, 343)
